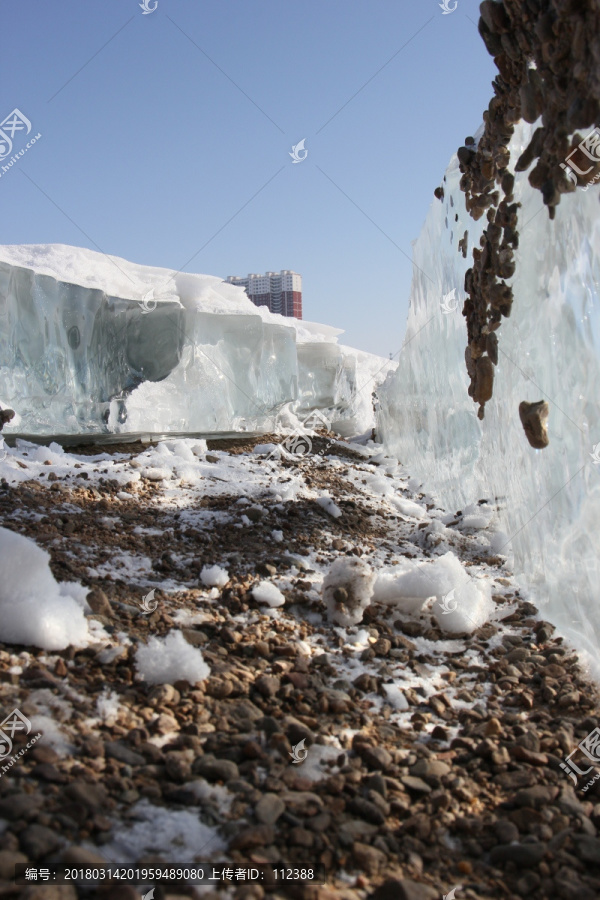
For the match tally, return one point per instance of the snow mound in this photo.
(347, 591)
(34, 609)
(214, 576)
(266, 592)
(170, 659)
(462, 603)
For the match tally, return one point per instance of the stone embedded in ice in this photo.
(550, 499)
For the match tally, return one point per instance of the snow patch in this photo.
(170, 659)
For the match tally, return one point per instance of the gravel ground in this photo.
(429, 761)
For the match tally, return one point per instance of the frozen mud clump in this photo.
(347, 591)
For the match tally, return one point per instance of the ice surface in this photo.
(34, 608)
(549, 349)
(170, 659)
(91, 343)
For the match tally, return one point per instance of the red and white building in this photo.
(280, 291)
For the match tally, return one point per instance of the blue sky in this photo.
(166, 138)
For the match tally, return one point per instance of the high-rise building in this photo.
(280, 291)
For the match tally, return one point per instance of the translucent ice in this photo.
(549, 349)
(91, 343)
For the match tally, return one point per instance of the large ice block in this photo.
(549, 349)
(90, 343)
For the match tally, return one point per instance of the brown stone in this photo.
(534, 417)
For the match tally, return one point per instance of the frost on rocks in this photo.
(214, 576)
(93, 343)
(266, 592)
(347, 591)
(170, 659)
(34, 609)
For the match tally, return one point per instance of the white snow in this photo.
(329, 506)
(354, 577)
(107, 706)
(34, 608)
(266, 592)
(156, 830)
(214, 576)
(170, 659)
(468, 600)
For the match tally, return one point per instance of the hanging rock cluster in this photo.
(547, 53)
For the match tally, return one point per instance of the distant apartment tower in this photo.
(280, 291)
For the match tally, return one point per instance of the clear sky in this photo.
(166, 137)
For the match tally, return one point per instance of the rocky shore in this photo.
(432, 759)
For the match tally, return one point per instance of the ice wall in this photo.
(91, 343)
(549, 349)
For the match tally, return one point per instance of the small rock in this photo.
(368, 859)
(99, 603)
(430, 768)
(267, 685)
(117, 750)
(38, 841)
(79, 856)
(8, 860)
(375, 758)
(215, 769)
(366, 810)
(269, 808)
(415, 784)
(257, 836)
(20, 806)
(525, 854)
(534, 419)
(536, 797)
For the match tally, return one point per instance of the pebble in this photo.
(269, 808)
